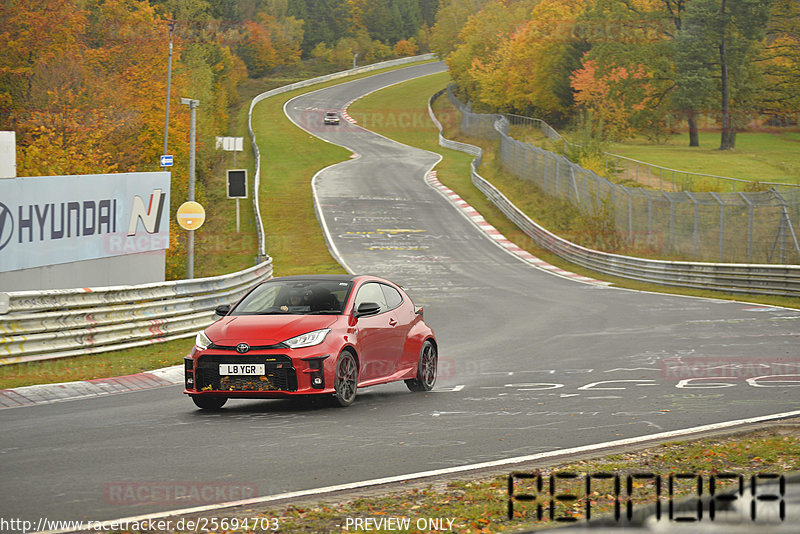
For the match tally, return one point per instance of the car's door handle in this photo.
(392, 322)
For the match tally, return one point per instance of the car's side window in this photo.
(393, 297)
(371, 292)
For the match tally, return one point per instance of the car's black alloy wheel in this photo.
(426, 369)
(346, 382)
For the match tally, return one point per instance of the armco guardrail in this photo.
(292, 87)
(42, 325)
(732, 277)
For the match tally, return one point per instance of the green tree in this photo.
(694, 80)
(325, 21)
(730, 32)
(428, 10)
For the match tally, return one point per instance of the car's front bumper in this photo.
(283, 375)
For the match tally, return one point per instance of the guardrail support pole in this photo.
(721, 225)
(671, 221)
(749, 226)
(696, 216)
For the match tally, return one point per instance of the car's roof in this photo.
(321, 277)
(331, 113)
(329, 278)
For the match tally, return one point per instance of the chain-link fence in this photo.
(651, 175)
(730, 227)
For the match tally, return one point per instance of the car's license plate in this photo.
(241, 369)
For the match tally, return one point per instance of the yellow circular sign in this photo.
(191, 215)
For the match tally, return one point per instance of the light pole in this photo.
(190, 241)
(171, 24)
(355, 56)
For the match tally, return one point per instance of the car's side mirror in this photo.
(223, 310)
(367, 308)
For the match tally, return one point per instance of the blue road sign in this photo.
(166, 160)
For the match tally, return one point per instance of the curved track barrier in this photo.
(765, 279)
(41, 325)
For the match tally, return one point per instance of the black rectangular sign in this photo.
(237, 183)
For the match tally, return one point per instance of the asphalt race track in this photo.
(530, 362)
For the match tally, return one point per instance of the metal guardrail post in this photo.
(649, 217)
(671, 221)
(784, 227)
(721, 225)
(749, 226)
(696, 222)
(630, 215)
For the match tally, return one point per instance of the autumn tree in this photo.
(268, 42)
(521, 57)
(451, 18)
(30, 32)
(780, 61)
(406, 47)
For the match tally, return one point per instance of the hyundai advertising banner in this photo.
(62, 219)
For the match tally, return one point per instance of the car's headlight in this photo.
(201, 341)
(307, 340)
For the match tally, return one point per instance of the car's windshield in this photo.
(297, 297)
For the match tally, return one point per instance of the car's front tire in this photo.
(209, 403)
(426, 368)
(345, 383)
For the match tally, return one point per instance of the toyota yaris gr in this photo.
(312, 335)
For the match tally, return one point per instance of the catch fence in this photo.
(729, 227)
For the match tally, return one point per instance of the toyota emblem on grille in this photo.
(242, 347)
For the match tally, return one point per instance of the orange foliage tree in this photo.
(613, 96)
(406, 47)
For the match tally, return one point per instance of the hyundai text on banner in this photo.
(62, 219)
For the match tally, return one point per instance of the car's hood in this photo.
(265, 329)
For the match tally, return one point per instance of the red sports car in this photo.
(319, 334)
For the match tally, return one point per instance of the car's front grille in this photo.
(279, 374)
(214, 346)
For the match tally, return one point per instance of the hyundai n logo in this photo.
(6, 225)
(150, 216)
(242, 348)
